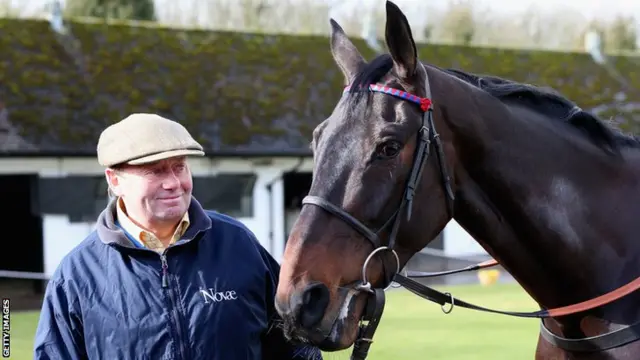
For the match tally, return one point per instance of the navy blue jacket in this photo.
(208, 296)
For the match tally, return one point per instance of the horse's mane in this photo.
(549, 103)
(541, 100)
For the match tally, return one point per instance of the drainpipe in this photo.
(269, 187)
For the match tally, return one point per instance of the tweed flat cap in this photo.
(143, 138)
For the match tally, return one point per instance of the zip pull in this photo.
(165, 266)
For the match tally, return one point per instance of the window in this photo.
(230, 194)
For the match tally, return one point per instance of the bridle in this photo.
(427, 135)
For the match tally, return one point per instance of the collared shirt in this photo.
(145, 238)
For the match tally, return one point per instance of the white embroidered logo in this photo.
(210, 295)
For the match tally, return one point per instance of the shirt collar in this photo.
(139, 233)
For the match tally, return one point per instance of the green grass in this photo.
(413, 328)
(23, 327)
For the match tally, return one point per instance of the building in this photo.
(251, 100)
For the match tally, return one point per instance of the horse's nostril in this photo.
(315, 299)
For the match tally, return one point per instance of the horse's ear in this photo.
(400, 42)
(344, 52)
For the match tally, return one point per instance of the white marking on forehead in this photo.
(560, 209)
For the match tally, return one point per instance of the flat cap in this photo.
(142, 138)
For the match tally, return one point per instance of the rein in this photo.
(446, 298)
(428, 136)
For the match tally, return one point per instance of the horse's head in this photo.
(370, 166)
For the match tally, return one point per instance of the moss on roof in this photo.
(235, 92)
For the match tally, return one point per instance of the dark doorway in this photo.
(23, 248)
(296, 187)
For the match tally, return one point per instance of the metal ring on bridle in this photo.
(444, 310)
(366, 263)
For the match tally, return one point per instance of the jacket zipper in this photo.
(174, 310)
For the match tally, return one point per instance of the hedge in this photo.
(233, 91)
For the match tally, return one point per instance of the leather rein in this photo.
(428, 136)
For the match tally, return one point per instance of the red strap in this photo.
(598, 301)
(587, 304)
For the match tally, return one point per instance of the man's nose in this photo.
(171, 181)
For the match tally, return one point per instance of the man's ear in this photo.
(113, 181)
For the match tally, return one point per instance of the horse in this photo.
(550, 191)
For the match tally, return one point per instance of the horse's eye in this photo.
(389, 149)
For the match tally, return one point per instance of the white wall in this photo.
(60, 237)
(61, 166)
(458, 242)
(268, 210)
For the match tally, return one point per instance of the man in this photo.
(161, 278)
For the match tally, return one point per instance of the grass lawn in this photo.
(413, 328)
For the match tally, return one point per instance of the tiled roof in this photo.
(237, 93)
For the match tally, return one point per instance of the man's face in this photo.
(155, 193)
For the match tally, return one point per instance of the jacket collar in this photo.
(110, 233)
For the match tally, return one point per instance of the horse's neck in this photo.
(545, 207)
